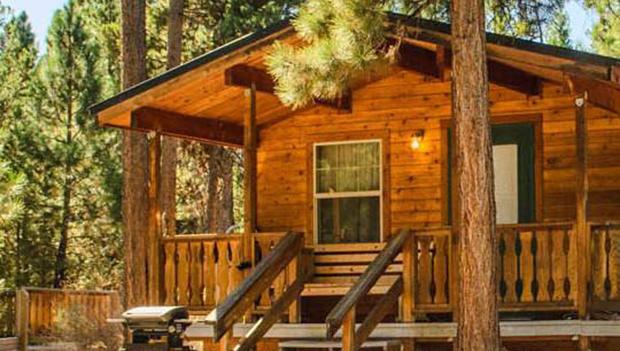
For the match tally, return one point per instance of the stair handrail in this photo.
(346, 306)
(235, 305)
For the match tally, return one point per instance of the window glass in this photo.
(348, 192)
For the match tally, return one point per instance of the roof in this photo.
(418, 23)
(208, 93)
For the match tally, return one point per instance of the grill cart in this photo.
(156, 328)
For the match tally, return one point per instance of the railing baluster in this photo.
(607, 264)
(566, 250)
(550, 282)
(183, 272)
(503, 289)
(208, 273)
(534, 251)
(170, 253)
(518, 251)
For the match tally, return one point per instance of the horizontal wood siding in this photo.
(405, 102)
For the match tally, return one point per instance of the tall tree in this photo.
(558, 33)
(606, 32)
(135, 162)
(71, 84)
(170, 144)
(478, 322)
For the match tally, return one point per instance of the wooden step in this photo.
(338, 289)
(335, 344)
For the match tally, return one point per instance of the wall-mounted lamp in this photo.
(416, 139)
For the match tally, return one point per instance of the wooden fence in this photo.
(36, 312)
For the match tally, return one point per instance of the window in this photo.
(347, 191)
(515, 168)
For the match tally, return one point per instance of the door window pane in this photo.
(505, 166)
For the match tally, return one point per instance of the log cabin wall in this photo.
(395, 107)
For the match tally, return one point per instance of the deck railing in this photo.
(537, 268)
(200, 270)
(605, 266)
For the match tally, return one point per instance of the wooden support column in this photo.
(408, 299)
(22, 307)
(249, 179)
(154, 247)
(582, 230)
(348, 331)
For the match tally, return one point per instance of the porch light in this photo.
(416, 139)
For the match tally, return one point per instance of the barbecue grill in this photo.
(156, 328)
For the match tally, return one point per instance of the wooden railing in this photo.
(431, 269)
(605, 266)
(288, 251)
(201, 270)
(537, 266)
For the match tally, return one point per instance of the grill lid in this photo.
(162, 314)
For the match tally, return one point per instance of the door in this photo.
(514, 166)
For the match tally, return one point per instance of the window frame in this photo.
(349, 194)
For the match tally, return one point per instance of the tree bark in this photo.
(170, 144)
(478, 327)
(135, 158)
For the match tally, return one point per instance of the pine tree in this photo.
(71, 83)
(558, 33)
(606, 32)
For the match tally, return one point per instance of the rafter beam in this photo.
(244, 75)
(147, 119)
(602, 93)
(421, 60)
(513, 78)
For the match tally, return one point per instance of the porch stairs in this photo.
(336, 270)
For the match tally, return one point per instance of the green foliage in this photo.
(342, 38)
(559, 31)
(606, 32)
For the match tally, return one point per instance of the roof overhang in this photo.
(209, 91)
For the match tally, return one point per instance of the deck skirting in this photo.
(446, 331)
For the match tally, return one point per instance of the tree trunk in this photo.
(169, 144)
(135, 162)
(478, 327)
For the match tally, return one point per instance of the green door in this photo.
(514, 163)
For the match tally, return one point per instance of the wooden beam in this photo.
(432, 63)
(147, 119)
(365, 282)
(236, 303)
(244, 76)
(378, 312)
(249, 178)
(348, 331)
(602, 93)
(583, 240)
(512, 78)
(154, 220)
(421, 60)
(408, 280)
(22, 317)
(261, 327)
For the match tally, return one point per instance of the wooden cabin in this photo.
(348, 204)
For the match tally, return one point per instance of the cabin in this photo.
(349, 240)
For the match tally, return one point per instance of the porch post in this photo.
(154, 225)
(249, 179)
(582, 230)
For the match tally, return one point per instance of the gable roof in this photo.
(116, 111)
